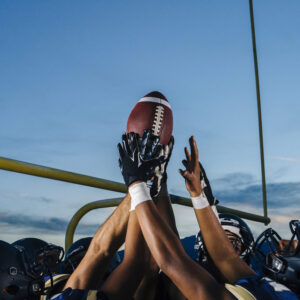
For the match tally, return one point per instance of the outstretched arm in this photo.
(138, 264)
(159, 193)
(165, 246)
(104, 245)
(167, 250)
(225, 258)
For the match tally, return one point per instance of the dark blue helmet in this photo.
(236, 226)
(77, 251)
(75, 254)
(43, 257)
(18, 281)
(280, 258)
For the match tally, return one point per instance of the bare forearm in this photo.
(108, 239)
(165, 246)
(147, 288)
(165, 209)
(158, 235)
(219, 247)
(111, 234)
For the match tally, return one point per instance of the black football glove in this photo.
(138, 163)
(160, 171)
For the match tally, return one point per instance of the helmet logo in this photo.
(13, 271)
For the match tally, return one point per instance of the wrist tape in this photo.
(200, 201)
(139, 193)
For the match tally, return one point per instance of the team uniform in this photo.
(251, 288)
(56, 283)
(70, 294)
(258, 288)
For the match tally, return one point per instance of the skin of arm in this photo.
(147, 288)
(125, 279)
(104, 245)
(165, 209)
(150, 286)
(138, 263)
(165, 246)
(231, 266)
(167, 250)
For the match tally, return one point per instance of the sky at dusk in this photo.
(71, 71)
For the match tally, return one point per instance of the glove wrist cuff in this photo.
(139, 193)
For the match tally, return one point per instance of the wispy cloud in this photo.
(13, 196)
(243, 192)
(291, 159)
(243, 188)
(233, 181)
(278, 194)
(42, 224)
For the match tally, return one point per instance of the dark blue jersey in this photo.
(70, 294)
(261, 289)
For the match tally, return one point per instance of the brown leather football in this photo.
(154, 112)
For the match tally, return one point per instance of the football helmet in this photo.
(77, 251)
(18, 281)
(75, 254)
(280, 258)
(237, 228)
(241, 230)
(43, 258)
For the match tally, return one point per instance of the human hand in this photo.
(138, 163)
(160, 171)
(192, 174)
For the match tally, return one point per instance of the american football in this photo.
(154, 112)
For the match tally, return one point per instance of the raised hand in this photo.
(192, 172)
(138, 163)
(160, 171)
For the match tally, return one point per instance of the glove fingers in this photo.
(154, 189)
(120, 165)
(153, 146)
(144, 142)
(126, 147)
(157, 161)
(146, 134)
(121, 151)
(135, 147)
(159, 151)
(167, 152)
(130, 138)
(171, 144)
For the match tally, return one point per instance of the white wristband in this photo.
(200, 201)
(139, 193)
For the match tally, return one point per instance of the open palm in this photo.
(192, 171)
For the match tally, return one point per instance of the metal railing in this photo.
(56, 174)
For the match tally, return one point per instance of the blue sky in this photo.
(71, 71)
